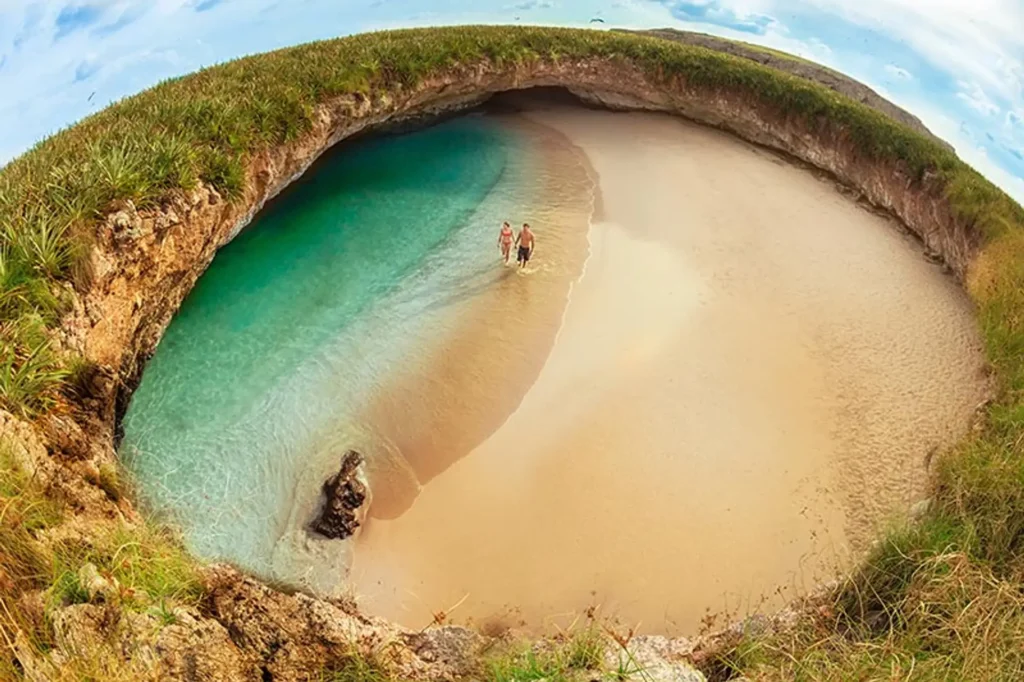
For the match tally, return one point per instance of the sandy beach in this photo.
(473, 341)
(748, 378)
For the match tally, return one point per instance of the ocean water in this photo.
(263, 379)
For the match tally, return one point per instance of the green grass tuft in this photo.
(526, 665)
(584, 649)
(26, 508)
(576, 655)
(147, 563)
(357, 665)
(31, 374)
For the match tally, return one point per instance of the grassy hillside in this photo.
(940, 600)
(201, 128)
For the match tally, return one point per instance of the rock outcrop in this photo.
(344, 495)
(822, 75)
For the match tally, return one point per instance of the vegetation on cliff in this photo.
(940, 600)
(203, 127)
(125, 567)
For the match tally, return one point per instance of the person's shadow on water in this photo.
(470, 285)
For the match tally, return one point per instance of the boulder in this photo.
(95, 585)
(344, 494)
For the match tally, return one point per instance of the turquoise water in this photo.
(254, 388)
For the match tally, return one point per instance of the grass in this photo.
(578, 654)
(948, 618)
(147, 564)
(205, 127)
(110, 481)
(937, 601)
(357, 665)
(25, 509)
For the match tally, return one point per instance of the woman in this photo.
(505, 240)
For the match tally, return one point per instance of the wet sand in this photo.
(748, 380)
(488, 343)
(470, 355)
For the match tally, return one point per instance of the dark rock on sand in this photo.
(345, 495)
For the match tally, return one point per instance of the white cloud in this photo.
(977, 45)
(975, 97)
(979, 40)
(969, 148)
(898, 72)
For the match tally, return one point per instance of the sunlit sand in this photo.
(748, 379)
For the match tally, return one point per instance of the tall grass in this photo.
(574, 655)
(26, 508)
(205, 127)
(357, 665)
(146, 566)
(31, 373)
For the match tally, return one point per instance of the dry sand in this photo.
(748, 379)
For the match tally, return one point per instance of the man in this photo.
(505, 240)
(526, 242)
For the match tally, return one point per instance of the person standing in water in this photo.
(505, 240)
(526, 242)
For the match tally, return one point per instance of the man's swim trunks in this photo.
(524, 254)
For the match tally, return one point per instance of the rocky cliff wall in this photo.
(822, 75)
(144, 263)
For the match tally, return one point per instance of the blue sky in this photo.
(957, 64)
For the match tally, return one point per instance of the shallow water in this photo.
(282, 347)
(703, 401)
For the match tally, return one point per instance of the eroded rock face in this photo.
(818, 73)
(296, 637)
(345, 494)
(144, 263)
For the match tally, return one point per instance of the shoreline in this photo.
(679, 374)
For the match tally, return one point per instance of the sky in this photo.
(956, 64)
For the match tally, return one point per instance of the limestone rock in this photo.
(293, 637)
(920, 508)
(660, 659)
(34, 667)
(201, 650)
(124, 224)
(345, 494)
(458, 647)
(78, 630)
(96, 586)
